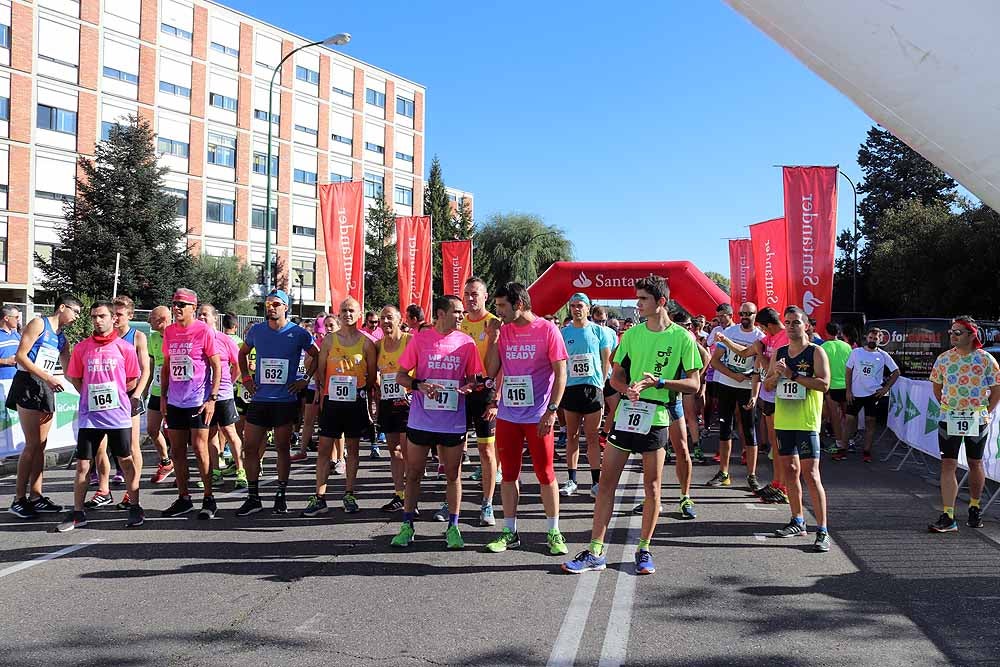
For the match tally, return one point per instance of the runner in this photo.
(393, 402)
(191, 387)
(738, 389)
(867, 388)
(800, 374)
(589, 350)
(480, 405)
(105, 370)
(309, 404)
(966, 382)
(10, 338)
(274, 402)
(371, 326)
(159, 317)
(531, 353)
(415, 318)
(338, 460)
(723, 320)
(837, 351)
(654, 362)
(32, 394)
(348, 365)
(225, 417)
(440, 365)
(600, 316)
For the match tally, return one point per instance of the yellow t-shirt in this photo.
(477, 330)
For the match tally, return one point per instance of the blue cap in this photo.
(580, 296)
(278, 294)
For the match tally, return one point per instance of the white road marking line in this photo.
(757, 506)
(761, 537)
(307, 627)
(47, 557)
(616, 635)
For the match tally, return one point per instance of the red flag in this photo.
(770, 260)
(413, 257)
(341, 208)
(811, 217)
(456, 265)
(742, 284)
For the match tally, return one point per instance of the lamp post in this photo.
(854, 277)
(339, 39)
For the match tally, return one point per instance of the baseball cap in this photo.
(184, 295)
(580, 296)
(278, 294)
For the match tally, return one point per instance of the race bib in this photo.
(518, 391)
(635, 417)
(867, 369)
(181, 367)
(390, 388)
(790, 390)
(273, 371)
(739, 364)
(962, 422)
(446, 399)
(343, 388)
(47, 358)
(155, 382)
(245, 394)
(102, 396)
(580, 365)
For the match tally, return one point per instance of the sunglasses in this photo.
(599, 321)
(958, 332)
(181, 304)
(373, 323)
(746, 314)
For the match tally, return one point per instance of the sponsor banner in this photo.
(742, 281)
(768, 241)
(811, 223)
(343, 213)
(413, 257)
(456, 265)
(914, 414)
(62, 433)
(915, 343)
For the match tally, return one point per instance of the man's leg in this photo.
(254, 441)
(133, 493)
(791, 468)
(592, 430)
(611, 472)
(451, 457)
(836, 420)
(727, 412)
(397, 461)
(416, 458)
(199, 443)
(747, 422)
(178, 454)
(488, 461)
(38, 464)
(323, 454)
(80, 483)
(235, 444)
(871, 423)
(652, 480)
(573, 420)
(154, 429)
(353, 452)
(977, 479)
(103, 466)
(810, 470)
(682, 464)
(34, 424)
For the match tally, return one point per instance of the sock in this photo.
(799, 520)
(408, 518)
(401, 495)
(595, 476)
(253, 488)
(452, 519)
(553, 522)
(683, 498)
(950, 511)
(487, 502)
(643, 545)
(820, 529)
(596, 547)
(320, 496)
(974, 502)
(572, 474)
(282, 486)
(164, 462)
(510, 524)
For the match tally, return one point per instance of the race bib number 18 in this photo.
(635, 417)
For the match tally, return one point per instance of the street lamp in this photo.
(339, 39)
(854, 278)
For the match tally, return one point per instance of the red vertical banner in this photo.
(742, 287)
(811, 219)
(413, 257)
(456, 266)
(769, 240)
(342, 210)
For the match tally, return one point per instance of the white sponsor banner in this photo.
(61, 435)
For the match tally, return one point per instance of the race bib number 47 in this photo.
(446, 398)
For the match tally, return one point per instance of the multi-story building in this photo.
(458, 197)
(199, 71)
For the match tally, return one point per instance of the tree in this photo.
(518, 247)
(121, 206)
(381, 273)
(437, 205)
(224, 282)
(463, 223)
(718, 279)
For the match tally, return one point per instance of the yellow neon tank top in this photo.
(388, 362)
(477, 330)
(346, 360)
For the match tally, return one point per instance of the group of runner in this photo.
(509, 377)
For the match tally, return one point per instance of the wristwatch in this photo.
(553, 407)
(660, 383)
(213, 397)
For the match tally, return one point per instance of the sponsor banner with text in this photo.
(413, 257)
(811, 222)
(456, 265)
(742, 281)
(343, 213)
(768, 240)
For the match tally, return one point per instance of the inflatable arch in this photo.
(689, 287)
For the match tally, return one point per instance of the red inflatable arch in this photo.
(689, 287)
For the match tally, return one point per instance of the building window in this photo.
(222, 102)
(306, 74)
(341, 91)
(4, 108)
(404, 107)
(339, 178)
(403, 196)
(374, 97)
(222, 211)
(106, 128)
(44, 251)
(342, 140)
(4, 36)
(303, 176)
(404, 157)
(57, 120)
(221, 150)
(176, 32)
(228, 50)
(182, 201)
(374, 185)
(173, 89)
(304, 231)
(54, 196)
(260, 165)
(112, 73)
(307, 130)
(374, 148)
(260, 114)
(306, 271)
(171, 147)
(257, 218)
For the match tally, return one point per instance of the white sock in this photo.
(553, 522)
(510, 524)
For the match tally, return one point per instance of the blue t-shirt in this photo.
(8, 347)
(278, 354)
(584, 345)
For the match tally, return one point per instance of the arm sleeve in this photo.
(556, 344)
(409, 357)
(851, 360)
(75, 369)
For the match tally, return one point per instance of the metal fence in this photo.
(32, 310)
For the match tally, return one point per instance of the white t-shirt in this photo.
(742, 365)
(867, 368)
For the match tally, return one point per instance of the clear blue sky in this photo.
(645, 130)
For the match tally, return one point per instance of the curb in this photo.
(52, 460)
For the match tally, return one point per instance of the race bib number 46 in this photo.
(518, 391)
(790, 390)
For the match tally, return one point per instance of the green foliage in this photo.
(224, 282)
(517, 247)
(719, 279)
(120, 206)
(437, 206)
(381, 274)
(83, 326)
(464, 224)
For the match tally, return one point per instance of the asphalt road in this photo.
(285, 590)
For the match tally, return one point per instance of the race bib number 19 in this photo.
(962, 423)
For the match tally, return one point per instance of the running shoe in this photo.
(506, 540)
(716, 458)
(72, 521)
(136, 516)
(477, 474)
(404, 537)
(375, 453)
(866, 457)
(780, 497)
(340, 467)
(94, 479)
(602, 441)
(230, 470)
(118, 479)
(644, 562)
(298, 456)
(350, 503)
(381, 438)
(208, 508)
(792, 529)
(125, 502)
(557, 543)
(687, 509)
(698, 455)
(838, 455)
(638, 508)
(975, 518)
(280, 504)
(465, 458)
(44, 505)
(217, 481)
(251, 505)
(179, 507)
(442, 513)
(241, 479)
(162, 472)
(568, 489)
(395, 504)
(453, 537)
(486, 517)
(753, 484)
(585, 562)
(315, 507)
(822, 543)
(720, 479)
(23, 509)
(99, 500)
(593, 490)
